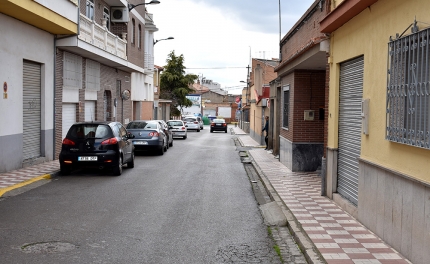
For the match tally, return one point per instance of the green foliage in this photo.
(175, 84)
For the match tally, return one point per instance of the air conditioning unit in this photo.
(119, 14)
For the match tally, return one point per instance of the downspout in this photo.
(55, 76)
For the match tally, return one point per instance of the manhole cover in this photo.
(47, 247)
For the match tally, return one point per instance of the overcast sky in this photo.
(218, 37)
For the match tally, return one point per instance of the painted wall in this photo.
(39, 47)
(368, 34)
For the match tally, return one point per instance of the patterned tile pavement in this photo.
(339, 237)
(9, 179)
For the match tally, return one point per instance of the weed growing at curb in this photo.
(276, 247)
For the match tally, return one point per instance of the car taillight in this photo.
(67, 141)
(111, 141)
(212, 124)
(183, 128)
(154, 134)
(224, 124)
(196, 122)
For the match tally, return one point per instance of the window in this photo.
(133, 28)
(286, 106)
(139, 37)
(89, 11)
(106, 15)
(408, 95)
(92, 80)
(72, 71)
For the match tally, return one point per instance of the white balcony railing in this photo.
(149, 61)
(101, 37)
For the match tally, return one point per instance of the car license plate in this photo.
(140, 143)
(218, 125)
(88, 158)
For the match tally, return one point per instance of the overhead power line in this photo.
(216, 68)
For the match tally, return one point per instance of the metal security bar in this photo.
(408, 90)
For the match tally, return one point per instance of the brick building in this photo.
(299, 94)
(105, 72)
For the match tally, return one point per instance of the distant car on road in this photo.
(191, 123)
(218, 125)
(97, 144)
(178, 129)
(148, 135)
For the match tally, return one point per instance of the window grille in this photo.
(286, 109)
(92, 81)
(72, 71)
(133, 32)
(106, 15)
(408, 90)
(139, 37)
(89, 11)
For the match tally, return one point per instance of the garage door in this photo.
(90, 110)
(31, 110)
(69, 117)
(350, 96)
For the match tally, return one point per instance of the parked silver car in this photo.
(178, 129)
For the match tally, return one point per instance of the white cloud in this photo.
(219, 35)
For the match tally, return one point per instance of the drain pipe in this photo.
(55, 75)
(323, 176)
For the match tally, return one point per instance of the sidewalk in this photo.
(25, 176)
(339, 237)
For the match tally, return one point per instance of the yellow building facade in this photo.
(378, 163)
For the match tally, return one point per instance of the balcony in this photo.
(149, 62)
(102, 38)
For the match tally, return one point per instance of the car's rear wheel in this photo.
(65, 170)
(130, 164)
(117, 170)
(212, 131)
(161, 150)
(184, 137)
(171, 143)
(226, 131)
(198, 130)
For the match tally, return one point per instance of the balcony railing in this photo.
(102, 38)
(149, 61)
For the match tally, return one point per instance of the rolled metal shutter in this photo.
(69, 118)
(31, 110)
(90, 110)
(350, 96)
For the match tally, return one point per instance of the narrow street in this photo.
(194, 204)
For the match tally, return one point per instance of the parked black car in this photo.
(148, 135)
(218, 125)
(97, 144)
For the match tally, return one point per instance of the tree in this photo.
(175, 84)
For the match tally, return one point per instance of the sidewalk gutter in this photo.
(26, 183)
(308, 248)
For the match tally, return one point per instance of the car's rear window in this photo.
(190, 119)
(219, 121)
(142, 125)
(90, 131)
(175, 123)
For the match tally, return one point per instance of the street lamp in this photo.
(155, 42)
(153, 2)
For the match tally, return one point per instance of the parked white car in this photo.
(178, 129)
(199, 119)
(192, 123)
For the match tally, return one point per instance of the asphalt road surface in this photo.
(194, 204)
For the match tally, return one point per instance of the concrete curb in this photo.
(23, 184)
